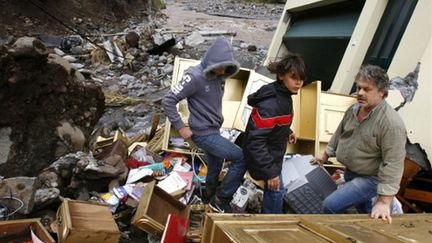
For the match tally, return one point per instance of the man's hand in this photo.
(185, 132)
(292, 138)
(381, 209)
(274, 184)
(319, 160)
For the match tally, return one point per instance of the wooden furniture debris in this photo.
(155, 144)
(234, 103)
(154, 124)
(19, 231)
(317, 117)
(154, 207)
(175, 230)
(82, 222)
(410, 171)
(196, 219)
(262, 228)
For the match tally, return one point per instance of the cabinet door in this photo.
(330, 117)
(255, 81)
(332, 110)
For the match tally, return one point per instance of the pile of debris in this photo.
(45, 112)
(238, 9)
(81, 123)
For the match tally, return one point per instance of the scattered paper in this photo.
(138, 173)
(172, 183)
(34, 237)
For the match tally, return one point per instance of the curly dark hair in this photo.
(376, 75)
(291, 63)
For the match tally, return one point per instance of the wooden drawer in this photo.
(79, 222)
(154, 207)
(19, 231)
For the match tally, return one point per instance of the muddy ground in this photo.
(252, 29)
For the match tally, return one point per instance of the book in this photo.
(187, 176)
(173, 183)
(137, 191)
(175, 230)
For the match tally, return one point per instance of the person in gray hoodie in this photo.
(203, 87)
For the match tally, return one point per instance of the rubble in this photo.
(82, 116)
(42, 108)
(22, 192)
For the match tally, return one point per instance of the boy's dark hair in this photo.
(291, 63)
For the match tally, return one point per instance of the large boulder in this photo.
(45, 111)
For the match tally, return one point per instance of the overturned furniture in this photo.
(409, 194)
(23, 231)
(251, 228)
(154, 207)
(79, 221)
(235, 110)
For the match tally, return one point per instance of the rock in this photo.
(38, 93)
(194, 39)
(126, 78)
(252, 48)
(168, 69)
(29, 46)
(22, 188)
(46, 196)
(77, 65)
(72, 139)
(5, 144)
(69, 58)
(59, 52)
(132, 39)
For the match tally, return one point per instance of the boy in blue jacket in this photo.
(268, 129)
(203, 87)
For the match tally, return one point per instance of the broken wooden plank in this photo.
(154, 124)
(418, 195)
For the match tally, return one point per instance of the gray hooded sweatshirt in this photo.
(203, 90)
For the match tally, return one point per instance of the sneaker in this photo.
(220, 206)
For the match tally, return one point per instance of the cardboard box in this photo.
(235, 110)
(19, 231)
(154, 207)
(79, 222)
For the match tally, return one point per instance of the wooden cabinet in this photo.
(20, 231)
(80, 221)
(263, 228)
(317, 114)
(154, 207)
(235, 110)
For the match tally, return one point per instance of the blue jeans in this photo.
(217, 148)
(273, 200)
(357, 191)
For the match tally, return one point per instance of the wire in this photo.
(37, 5)
(7, 210)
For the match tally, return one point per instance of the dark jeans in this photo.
(216, 149)
(273, 200)
(357, 191)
